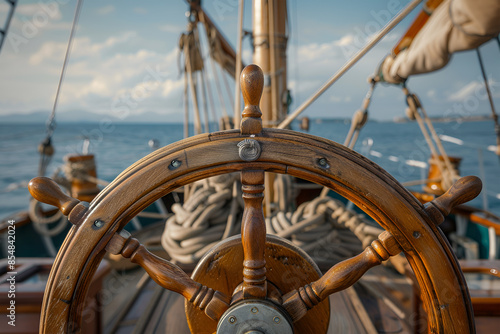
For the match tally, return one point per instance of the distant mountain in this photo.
(80, 116)
(35, 117)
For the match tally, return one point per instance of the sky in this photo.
(130, 49)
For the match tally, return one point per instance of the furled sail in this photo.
(454, 26)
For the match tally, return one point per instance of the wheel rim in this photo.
(445, 296)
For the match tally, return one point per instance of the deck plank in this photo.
(160, 311)
(343, 317)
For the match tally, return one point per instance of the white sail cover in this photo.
(455, 25)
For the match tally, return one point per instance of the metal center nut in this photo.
(254, 317)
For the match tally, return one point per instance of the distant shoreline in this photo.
(28, 119)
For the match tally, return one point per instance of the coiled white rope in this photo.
(40, 222)
(324, 227)
(212, 213)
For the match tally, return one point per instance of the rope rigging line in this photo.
(323, 227)
(448, 172)
(208, 92)
(207, 89)
(224, 122)
(45, 148)
(202, 79)
(494, 114)
(359, 120)
(237, 94)
(51, 123)
(192, 63)
(375, 39)
(186, 106)
(217, 55)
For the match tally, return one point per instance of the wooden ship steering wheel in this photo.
(257, 283)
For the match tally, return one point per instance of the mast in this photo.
(270, 41)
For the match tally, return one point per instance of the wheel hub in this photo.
(254, 317)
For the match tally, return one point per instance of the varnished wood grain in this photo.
(47, 191)
(288, 268)
(253, 235)
(340, 276)
(252, 84)
(169, 275)
(463, 190)
(364, 183)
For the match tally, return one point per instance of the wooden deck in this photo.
(149, 308)
(382, 302)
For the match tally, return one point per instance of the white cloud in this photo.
(98, 74)
(346, 40)
(314, 51)
(82, 47)
(39, 11)
(31, 19)
(475, 88)
(170, 86)
(465, 91)
(140, 81)
(50, 50)
(106, 10)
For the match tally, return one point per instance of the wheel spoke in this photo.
(169, 276)
(346, 273)
(463, 190)
(253, 235)
(340, 276)
(253, 227)
(47, 191)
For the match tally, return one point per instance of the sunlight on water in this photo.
(121, 145)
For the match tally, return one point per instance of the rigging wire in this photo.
(275, 106)
(45, 148)
(228, 88)
(384, 31)
(291, 30)
(237, 93)
(65, 65)
(186, 106)
(218, 87)
(205, 76)
(208, 93)
(494, 115)
(202, 79)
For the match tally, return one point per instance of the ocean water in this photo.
(390, 145)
